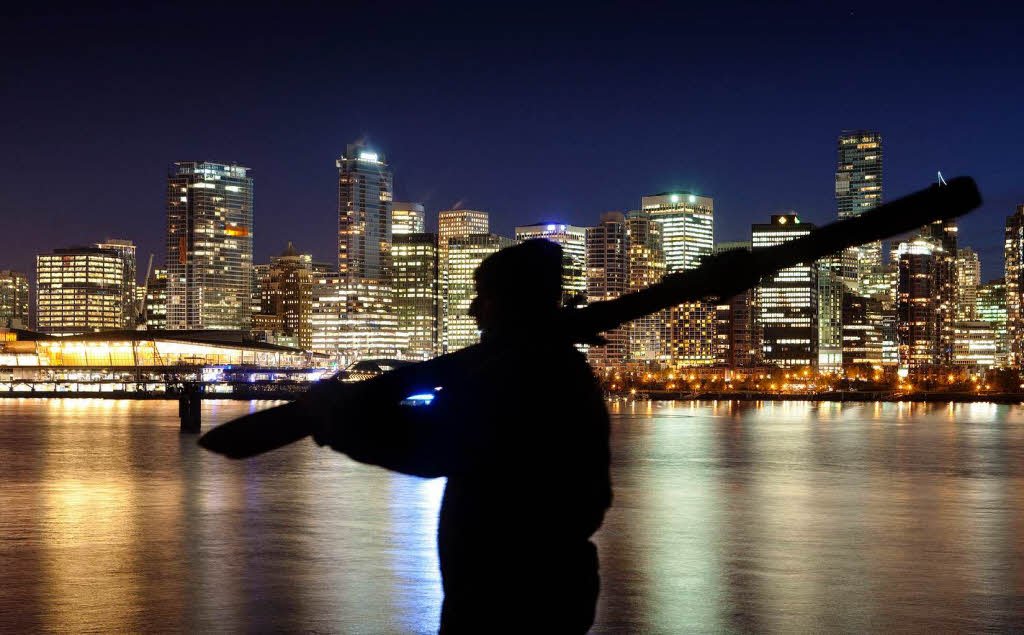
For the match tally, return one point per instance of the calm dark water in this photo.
(784, 517)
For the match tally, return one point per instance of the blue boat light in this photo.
(427, 397)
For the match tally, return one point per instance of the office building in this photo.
(858, 189)
(646, 259)
(353, 321)
(787, 303)
(573, 241)
(453, 223)
(364, 215)
(286, 294)
(968, 279)
(974, 345)
(465, 254)
(209, 246)
(416, 293)
(407, 218)
(735, 342)
(862, 332)
(80, 289)
(991, 308)
(687, 234)
(943, 235)
(607, 279)
(154, 304)
(1013, 261)
(831, 291)
(917, 306)
(14, 300)
(126, 249)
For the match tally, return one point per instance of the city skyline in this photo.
(760, 137)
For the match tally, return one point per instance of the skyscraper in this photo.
(968, 279)
(453, 223)
(735, 341)
(465, 253)
(607, 279)
(1013, 252)
(573, 241)
(407, 218)
(353, 321)
(686, 223)
(917, 306)
(126, 249)
(154, 305)
(364, 215)
(80, 289)
(646, 345)
(287, 295)
(415, 284)
(991, 308)
(858, 189)
(209, 246)
(943, 235)
(14, 299)
(831, 291)
(787, 304)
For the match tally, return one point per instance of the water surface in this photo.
(774, 517)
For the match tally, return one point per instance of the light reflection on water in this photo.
(773, 517)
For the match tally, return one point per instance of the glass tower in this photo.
(364, 215)
(607, 279)
(787, 304)
(686, 223)
(858, 189)
(464, 255)
(209, 246)
(415, 284)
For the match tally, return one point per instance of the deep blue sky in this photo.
(527, 111)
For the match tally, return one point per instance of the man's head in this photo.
(518, 288)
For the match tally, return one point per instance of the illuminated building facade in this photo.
(786, 316)
(353, 321)
(735, 342)
(646, 259)
(209, 246)
(126, 249)
(831, 290)
(858, 189)
(574, 255)
(943, 235)
(975, 345)
(917, 306)
(454, 223)
(154, 304)
(968, 279)
(464, 256)
(991, 308)
(687, 233)
(607, 279)
(862, 335)
(1013, 261)
(407, 218)
(287, 295)
(14, 300)
(416, 293)
(80, 289)
(364, 215)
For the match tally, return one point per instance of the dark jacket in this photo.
(520, 430)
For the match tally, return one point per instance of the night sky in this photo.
(527, 111)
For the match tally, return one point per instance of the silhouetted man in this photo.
(520, 429)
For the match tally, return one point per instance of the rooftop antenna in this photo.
(942, 180)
